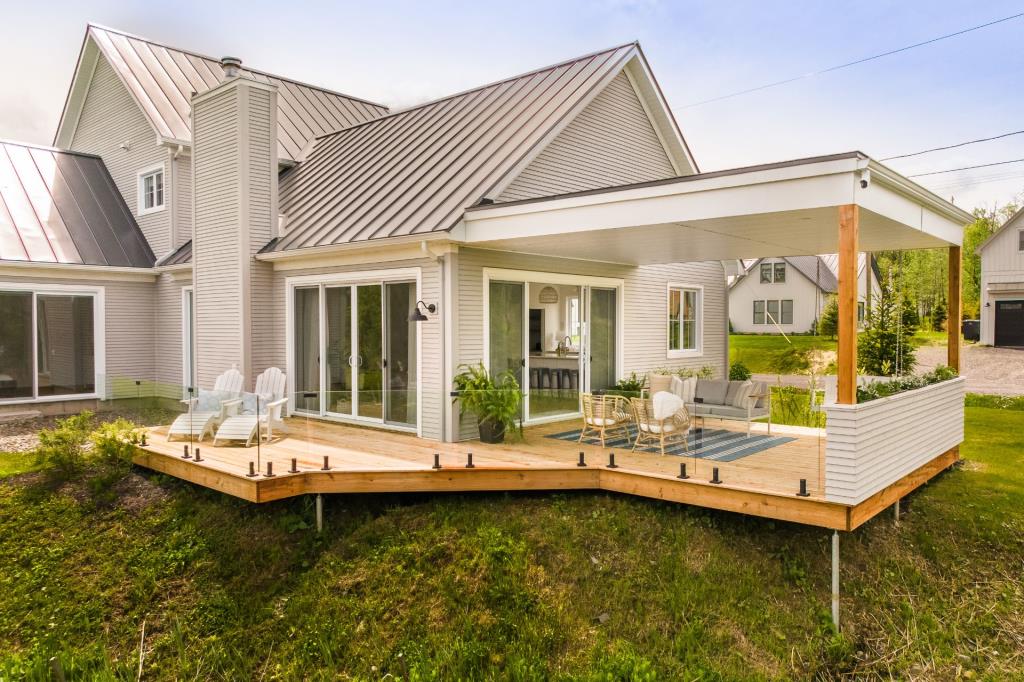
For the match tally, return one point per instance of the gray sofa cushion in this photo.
(711, 391)
(738, 393)
(728, 411)
(761, 388)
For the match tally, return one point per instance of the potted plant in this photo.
(495, 400)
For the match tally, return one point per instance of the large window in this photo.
(47, 344)
(151, 190)
(773, 312)
(683, 319)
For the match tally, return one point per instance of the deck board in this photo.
(367, 460)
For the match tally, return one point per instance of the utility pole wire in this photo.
(853, 63)
(963, 168)
(954, 146)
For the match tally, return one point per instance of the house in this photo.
(196, 218)
(1002, 284)
(788, 295)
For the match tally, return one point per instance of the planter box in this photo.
(872, 445)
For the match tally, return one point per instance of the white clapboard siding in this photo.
(645, 309)
(111, 118)
(167, 319)
(611, 142)
(874, 444)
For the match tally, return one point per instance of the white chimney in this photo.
(232, 67)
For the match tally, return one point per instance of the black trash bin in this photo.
(971, 330)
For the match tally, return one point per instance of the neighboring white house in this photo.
(788, 295)
(1002, 284)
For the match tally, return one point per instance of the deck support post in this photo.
(319, 513)
(954, 310)
(846, 360)
(835, 579)
(896, 512)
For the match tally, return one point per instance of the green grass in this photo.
(16, 463)
(563, 586)
(773, 354)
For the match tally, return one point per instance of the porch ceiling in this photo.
(782, 209)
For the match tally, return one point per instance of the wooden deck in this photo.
(365, 460)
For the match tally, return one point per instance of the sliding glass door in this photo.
(369, 349)
(602, 340)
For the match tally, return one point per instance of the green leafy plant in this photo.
(61, 451)
(939, 315)
(113, 446)
(883, 389)
(629, 387)
(496, 401)
(739, 371)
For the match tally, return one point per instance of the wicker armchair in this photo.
(603, 414)
(651, 431)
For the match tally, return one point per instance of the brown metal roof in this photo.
(163, 78)
(415, 171)
(63, 207)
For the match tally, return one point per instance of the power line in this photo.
(963, 168)
(953, 146)
(853, 63)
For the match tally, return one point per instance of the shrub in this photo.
(61, 450)
(939, 317)
(829, 323)
(113, 445)
(884, 347)
(883, 389)
(739, 372)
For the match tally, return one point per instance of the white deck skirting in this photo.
(872, 445)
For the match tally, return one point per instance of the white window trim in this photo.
(99, 339)
(355, 277)
(140, 194)
(1020, 240)
(697, 352)
(187, 326)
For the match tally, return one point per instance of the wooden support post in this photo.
(319, 513)
(835, 579)
(896, 512)
(953, 310)
(847, 351)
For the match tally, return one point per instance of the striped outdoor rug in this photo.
(715, 444)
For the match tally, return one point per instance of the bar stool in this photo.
(534, 377)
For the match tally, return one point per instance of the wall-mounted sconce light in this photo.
(988, 304)
(418, 315)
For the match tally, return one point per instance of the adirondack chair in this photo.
(208, 409)
(260, 412)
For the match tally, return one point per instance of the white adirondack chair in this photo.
(228, 387)
(260, 413)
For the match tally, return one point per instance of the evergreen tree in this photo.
(829, 323)
(939, 316)
(885, 343)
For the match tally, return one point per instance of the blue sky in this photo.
(401, 53)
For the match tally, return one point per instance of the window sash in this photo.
(766, 273)
(682, 319)
(153, 190)
(787, 311)
(759, 312)
(780, 273)
(773, 312)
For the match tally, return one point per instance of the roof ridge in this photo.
(478, 88)
(126, 34)
(48, 148)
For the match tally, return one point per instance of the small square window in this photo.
(151, 190)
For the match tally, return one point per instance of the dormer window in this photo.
(151, 190)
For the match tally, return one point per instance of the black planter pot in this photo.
(492, 432)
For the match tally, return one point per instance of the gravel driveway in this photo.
(997, 371)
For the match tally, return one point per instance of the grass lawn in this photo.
(589, 586)
(773, 354)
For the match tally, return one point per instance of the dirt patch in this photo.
(137, 493)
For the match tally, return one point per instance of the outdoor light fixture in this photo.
(418, 315)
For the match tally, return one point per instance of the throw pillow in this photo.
(209, 401)
(689, 389)
(656, 383)
(249, 403)
(741, 395)
(677, 388)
